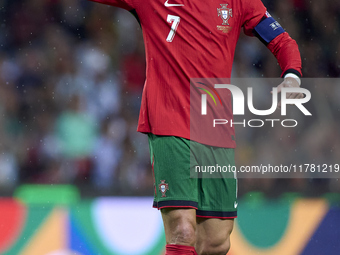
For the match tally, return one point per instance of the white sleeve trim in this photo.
(291, 75)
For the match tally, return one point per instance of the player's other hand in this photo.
(289, 83)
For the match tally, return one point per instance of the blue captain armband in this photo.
(268, 29)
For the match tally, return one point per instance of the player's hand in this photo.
(289, 82)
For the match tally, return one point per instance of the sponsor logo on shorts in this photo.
(235, 204)
(163, 187)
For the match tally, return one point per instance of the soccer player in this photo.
(187, 39)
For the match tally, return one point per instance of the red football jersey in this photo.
(187, 39)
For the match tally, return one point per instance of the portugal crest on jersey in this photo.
(225, 13)
(163, 187)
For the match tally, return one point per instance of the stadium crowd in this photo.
(71, 78)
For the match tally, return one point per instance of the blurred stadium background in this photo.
(72, 164)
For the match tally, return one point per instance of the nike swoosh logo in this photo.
(171, 5)
(235, 204)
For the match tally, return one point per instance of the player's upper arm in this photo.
(125, 4)
(268, 29)
(258, 22)
(252, 13)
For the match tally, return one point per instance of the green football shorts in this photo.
(174, 158)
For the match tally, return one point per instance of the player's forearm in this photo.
(287, 53)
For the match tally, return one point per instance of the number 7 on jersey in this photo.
(175, 21)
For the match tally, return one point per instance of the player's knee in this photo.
(183, 234)
(214, 246)
(215, 249)
(180, 228)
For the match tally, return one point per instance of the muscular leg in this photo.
(212, 236)
(179, 226)
(209, 236)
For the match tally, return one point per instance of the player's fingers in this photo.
(294, 95)
(278, 88)
(290, 96)
(300, 95)
(297, 95)
(279, 105)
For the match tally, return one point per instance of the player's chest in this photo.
(214, 16)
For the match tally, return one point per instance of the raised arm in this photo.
(283, 47)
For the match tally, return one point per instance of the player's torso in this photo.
(191, 33)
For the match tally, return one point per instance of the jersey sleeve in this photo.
(125, 4)
(252, 13)
(287, 53)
